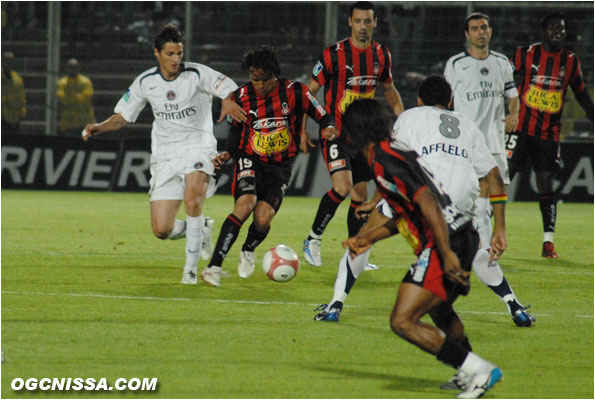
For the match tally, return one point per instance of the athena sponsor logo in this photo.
(368, 80)
(80, 384)
(269, 123)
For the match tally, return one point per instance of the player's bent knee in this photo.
(342, 188)
(262, 222)
(160, 234)
(400, 325)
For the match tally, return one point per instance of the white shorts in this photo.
(167, 177)
(385, 209)
(502, 162)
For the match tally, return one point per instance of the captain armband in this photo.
(499, 199)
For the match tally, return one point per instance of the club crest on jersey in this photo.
(376, 68)
(126, 96)
(198, 165)
(171, 95)
(317, 69)
(562, 72)
(285, 108)
(484, 71)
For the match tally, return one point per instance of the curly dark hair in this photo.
(434, 91)
(169, 33)
(263, 57)
(366, 121)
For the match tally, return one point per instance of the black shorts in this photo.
(428, 272)
(340, 156)
(521, 148)
(267, 181)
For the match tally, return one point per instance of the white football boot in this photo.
(246, 265)
(478, 384)
(312, 252)
(189, 278)
(212, 276)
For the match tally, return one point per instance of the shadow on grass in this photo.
(394, 381)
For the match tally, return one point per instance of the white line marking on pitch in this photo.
(108, 296)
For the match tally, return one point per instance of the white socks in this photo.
(474, 364)
(347, 276)
(489, 272)
(194, 238)
(548, 237)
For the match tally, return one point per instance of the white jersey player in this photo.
(182, 140)
(482, 83)
(454, 148)
(480, 87)
(457, 156)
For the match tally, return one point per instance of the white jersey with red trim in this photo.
(181, 107)
(479, 89)
(452, 146)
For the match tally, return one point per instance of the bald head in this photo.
(7, 60)
(72, 67)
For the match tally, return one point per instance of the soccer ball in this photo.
(281, 263)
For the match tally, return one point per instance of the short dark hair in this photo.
(362, 5)
(476, 15)
(366, 121)
(549, 17)
(435, 90)
(169, 33)
(263, 57)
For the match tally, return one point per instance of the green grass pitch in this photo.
(87, 291)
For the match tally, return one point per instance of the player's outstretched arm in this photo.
(393, 98)
(305, 141)
(498, 199)
(381, 229)
(363, 210)
(586, 103)
(512, 119)
(113, 123)
(233, 109)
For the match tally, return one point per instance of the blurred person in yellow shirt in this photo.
(14, 104)
(75, 94)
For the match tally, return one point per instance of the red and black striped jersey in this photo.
(543, 79)
(400, 174)
(348, 73)
(271, 133)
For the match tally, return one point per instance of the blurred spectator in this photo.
(14, 104)
(75, 94)
(142, 26)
